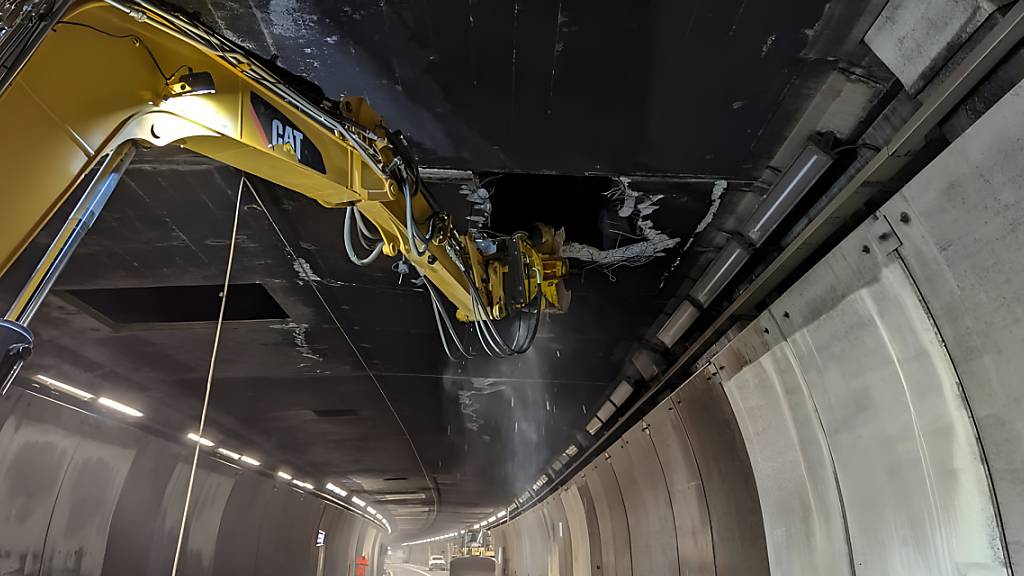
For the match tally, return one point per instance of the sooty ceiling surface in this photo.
(335, 372)
(328, 370)
(651, 86)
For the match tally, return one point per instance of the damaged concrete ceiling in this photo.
(567, 86)
(334, 372)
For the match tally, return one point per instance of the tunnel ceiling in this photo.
(133, 316)
(658, 86)
(335, 372)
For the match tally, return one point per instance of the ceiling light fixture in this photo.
(722, 270)
(123, 408)
(285, 475)
(229, 453)
(197, 438)
(337, 490)
(63, 387)
(791, 186)
(358, 501)
(400, 496)
(250, 461)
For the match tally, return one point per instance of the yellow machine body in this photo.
(92, 84)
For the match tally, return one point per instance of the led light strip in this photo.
(497, 516)
(61, 387)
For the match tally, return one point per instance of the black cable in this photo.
(864, 145)
(536, 328)
(138, 41)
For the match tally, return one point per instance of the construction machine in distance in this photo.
(93, 82)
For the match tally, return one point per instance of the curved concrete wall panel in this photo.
(243, 516)
(737, 529)
(80, 519)
(788, 451)
(34, 454)
(686, 491)
(560, 560)
(904, 447)
(576, 518)
(86, 496)
(652, 530)
(616, 558)
(210, 493)
(959, 222)
(134, 545)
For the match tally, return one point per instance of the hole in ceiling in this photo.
(176, 304)
(577, 203)
(337, 412)
(394, 478)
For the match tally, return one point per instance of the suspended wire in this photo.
(138, 41)
(355, 350)
(209, 378)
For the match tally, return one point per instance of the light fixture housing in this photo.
(249, 460)
(723, 269)
(122, 408)
(197, 438)
(678, 323)
(284, 475)
(191, 84)
(787, 191)
(229, 453)
(336, 489)
(62, 387)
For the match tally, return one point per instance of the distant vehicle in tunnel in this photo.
(437, 563)
(472, 566)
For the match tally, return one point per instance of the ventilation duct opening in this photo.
(180, 304)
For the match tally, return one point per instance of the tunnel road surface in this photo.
(413, 570)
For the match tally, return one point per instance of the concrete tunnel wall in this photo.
(83, 496)
(869, 422)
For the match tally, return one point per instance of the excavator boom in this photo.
(110, 73)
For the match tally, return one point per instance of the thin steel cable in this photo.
(337, 324)
(209, 380)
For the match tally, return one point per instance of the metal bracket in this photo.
(884, 235)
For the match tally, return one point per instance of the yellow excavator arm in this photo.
(110, 74)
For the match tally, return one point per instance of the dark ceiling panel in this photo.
(571, 86)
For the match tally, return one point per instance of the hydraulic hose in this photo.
(348, 243)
